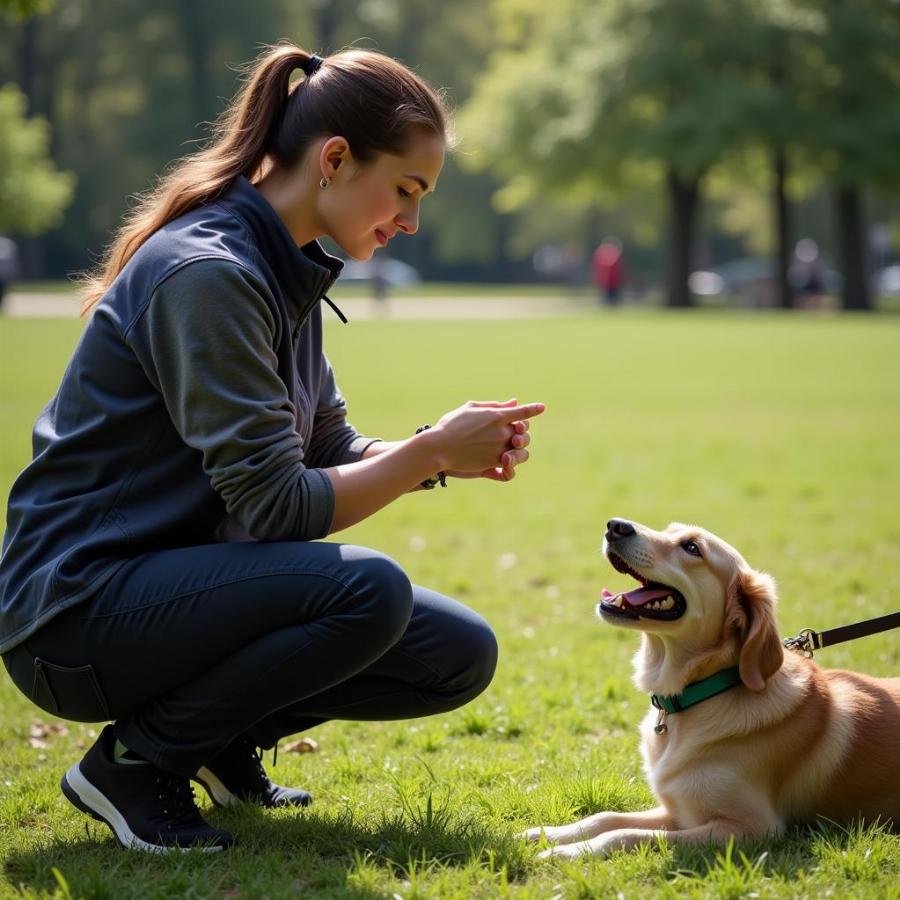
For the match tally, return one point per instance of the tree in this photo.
(595, 98)
(848, 118)
(22, 9)
(33, 193)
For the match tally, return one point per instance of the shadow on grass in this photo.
(281, 852)
(801, 850)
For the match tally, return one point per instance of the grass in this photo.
(778, 432)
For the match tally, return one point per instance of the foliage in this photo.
(590, 98)
(21, 9)
(128, 87)
(774, 431)
(570, 113)
(33, 193)
(848, 89)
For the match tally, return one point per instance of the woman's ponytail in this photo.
(240, 143)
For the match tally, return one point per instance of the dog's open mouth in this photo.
(650, 601)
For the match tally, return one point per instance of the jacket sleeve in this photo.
(334, 440)
(206, 341)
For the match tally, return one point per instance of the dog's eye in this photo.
(691, 547)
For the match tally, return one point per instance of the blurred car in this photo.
(751, 278)
(887, 281)
(392, 271)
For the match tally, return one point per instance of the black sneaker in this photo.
(236, 774)
(147, 808)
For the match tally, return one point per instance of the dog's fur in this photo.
(790, 744)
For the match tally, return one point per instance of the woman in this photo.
(160, 566)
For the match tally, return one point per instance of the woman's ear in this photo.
(751, 609)
(334, 153)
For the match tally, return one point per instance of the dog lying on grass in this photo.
(775, 740)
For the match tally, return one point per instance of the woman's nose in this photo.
(409, 222)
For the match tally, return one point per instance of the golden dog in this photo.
(787, 742)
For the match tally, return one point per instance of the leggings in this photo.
(188, 649)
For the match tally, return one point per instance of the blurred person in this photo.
(807, 274)
(162, 566)
(609, 270)
(9, 265)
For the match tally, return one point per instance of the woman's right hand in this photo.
(474, 437)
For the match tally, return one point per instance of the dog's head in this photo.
(697, 594)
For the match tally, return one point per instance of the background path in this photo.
(494, 306)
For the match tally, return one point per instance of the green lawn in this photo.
(780, 433)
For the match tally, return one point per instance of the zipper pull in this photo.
(341, 316)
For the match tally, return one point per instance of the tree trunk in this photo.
(683, 195)
(852, 241)
(28, 64)
(197, 41)
(32, 250)
(327, 16)
(782, 231)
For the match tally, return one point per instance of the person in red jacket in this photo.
(609, 269)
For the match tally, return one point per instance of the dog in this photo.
(780, 741)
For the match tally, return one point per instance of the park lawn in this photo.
(780, 433)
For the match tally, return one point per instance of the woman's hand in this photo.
(486, 431)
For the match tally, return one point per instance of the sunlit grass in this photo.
(780, 433)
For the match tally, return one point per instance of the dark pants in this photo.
(187, 649)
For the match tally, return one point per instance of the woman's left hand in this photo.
(515, 454)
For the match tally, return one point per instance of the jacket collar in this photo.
(304, 273)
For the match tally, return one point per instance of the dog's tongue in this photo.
(640, 596)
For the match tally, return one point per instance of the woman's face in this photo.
(366, 205)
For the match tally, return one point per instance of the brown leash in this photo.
(808, 640)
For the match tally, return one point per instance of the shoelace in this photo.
(181, 809)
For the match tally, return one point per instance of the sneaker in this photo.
(236, 774)
(146, 808)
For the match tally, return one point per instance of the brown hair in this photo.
(366, 97)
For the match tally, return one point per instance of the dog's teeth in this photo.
(655, 604)
(617, 601)
(668, 603)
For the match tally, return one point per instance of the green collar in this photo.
(698, 691)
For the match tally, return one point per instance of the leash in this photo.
(808, 640)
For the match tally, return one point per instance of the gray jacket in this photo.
(198, 407)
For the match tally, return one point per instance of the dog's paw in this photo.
(532, 834)
(567, 851)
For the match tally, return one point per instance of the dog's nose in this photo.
(618, 528)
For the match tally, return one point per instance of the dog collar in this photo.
(697, 691)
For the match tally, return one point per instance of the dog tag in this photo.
(661, 727)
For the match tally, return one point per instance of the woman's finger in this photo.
(518, 441)
(492, 404)
(527, 411)
(513, 458)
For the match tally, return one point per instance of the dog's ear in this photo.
(751, 611)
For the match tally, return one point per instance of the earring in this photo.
(324, 182)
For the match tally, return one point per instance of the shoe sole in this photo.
(85, 797)
(221, 796)
(218, 793)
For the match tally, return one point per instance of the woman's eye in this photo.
(691, 547)
(403, 193)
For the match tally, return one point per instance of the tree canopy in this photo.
(33, 193)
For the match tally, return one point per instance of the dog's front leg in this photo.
(599, 823)
(718, 830)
